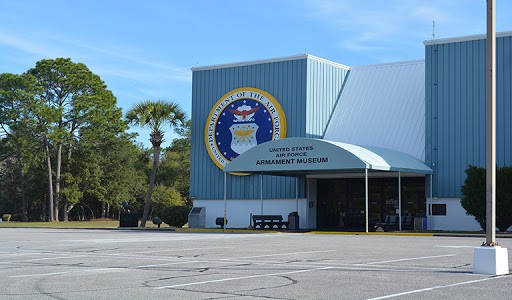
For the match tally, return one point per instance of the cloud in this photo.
(26, 45)
(375, 25)
(104, 61)
(151, 68)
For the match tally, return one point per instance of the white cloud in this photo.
(103, 60)
(26, 45)
(374, 25)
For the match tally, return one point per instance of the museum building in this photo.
(346, 147)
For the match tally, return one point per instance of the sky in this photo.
(145, 49)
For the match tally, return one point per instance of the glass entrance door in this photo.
(341, 202)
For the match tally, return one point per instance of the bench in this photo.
(391, 222)
(269, 221)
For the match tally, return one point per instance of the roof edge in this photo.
(396, 63)
(270, 60)
(466, 38)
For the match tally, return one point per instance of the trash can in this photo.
(420, 223)
(220, 222)
(197, 217)
(293, 220)
(128, 220)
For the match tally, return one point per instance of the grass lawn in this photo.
(72, 224)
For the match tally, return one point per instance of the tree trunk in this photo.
(66, 210)
(24, 202)
(57, 182)
(51, 216)
(103, 209)
(156, 156)
(67, 207)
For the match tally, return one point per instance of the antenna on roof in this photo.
(433, 31)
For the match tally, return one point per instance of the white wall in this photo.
(238, 211)
(456, 217)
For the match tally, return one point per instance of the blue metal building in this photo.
(432, 110)
(455, 115)
(306, 87)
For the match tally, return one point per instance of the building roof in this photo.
(310, 156)
(271, 60)
(464, 38)
(382, 106)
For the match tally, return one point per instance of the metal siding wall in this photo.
(504, 108)
(430, 112)
(455, 103)
(382, 106)
(325, 82)
(286, 81)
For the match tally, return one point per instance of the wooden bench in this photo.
(269, 221)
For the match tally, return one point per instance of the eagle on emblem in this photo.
(244, 113)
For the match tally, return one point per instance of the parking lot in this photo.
(152, 264)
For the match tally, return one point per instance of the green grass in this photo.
(71, 224)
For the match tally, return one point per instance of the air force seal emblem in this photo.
(240, 120)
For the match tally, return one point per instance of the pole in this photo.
(429, 226)
(366, 198)
(261, 192)
(225, 199)
(399, 201)
(297, 193)
(490, 126)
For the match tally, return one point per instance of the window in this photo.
(439, 209)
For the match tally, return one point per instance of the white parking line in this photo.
(100, 270)
(289, 253)
(407, 259)
(238, 278)
(434, 288)
(168, 264)
(174, 250)
(39, 259)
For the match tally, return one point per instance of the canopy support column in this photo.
(429, 204)
(225, 199)
(399, 201)
(261, 192)
(366, 197)
(297, 193)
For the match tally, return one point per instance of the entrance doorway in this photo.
(341, 201)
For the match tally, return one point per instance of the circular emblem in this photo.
(240, 120)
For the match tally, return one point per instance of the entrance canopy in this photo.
(306, 156)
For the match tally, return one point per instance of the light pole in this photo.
(490, 259)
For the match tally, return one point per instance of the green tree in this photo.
(474, 196)
(17, 103)
(503, 198)
(74, 99)
(108, 171)
(154, 115)
(164, 197)
(174, 169)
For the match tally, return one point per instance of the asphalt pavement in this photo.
(151, 264)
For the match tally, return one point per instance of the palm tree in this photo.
(155, 116)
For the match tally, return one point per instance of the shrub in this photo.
(474, 196)
(6, 217)
(175, 216)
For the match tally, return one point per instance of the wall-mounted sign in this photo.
(240, 120)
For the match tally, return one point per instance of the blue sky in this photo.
(145, 49)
